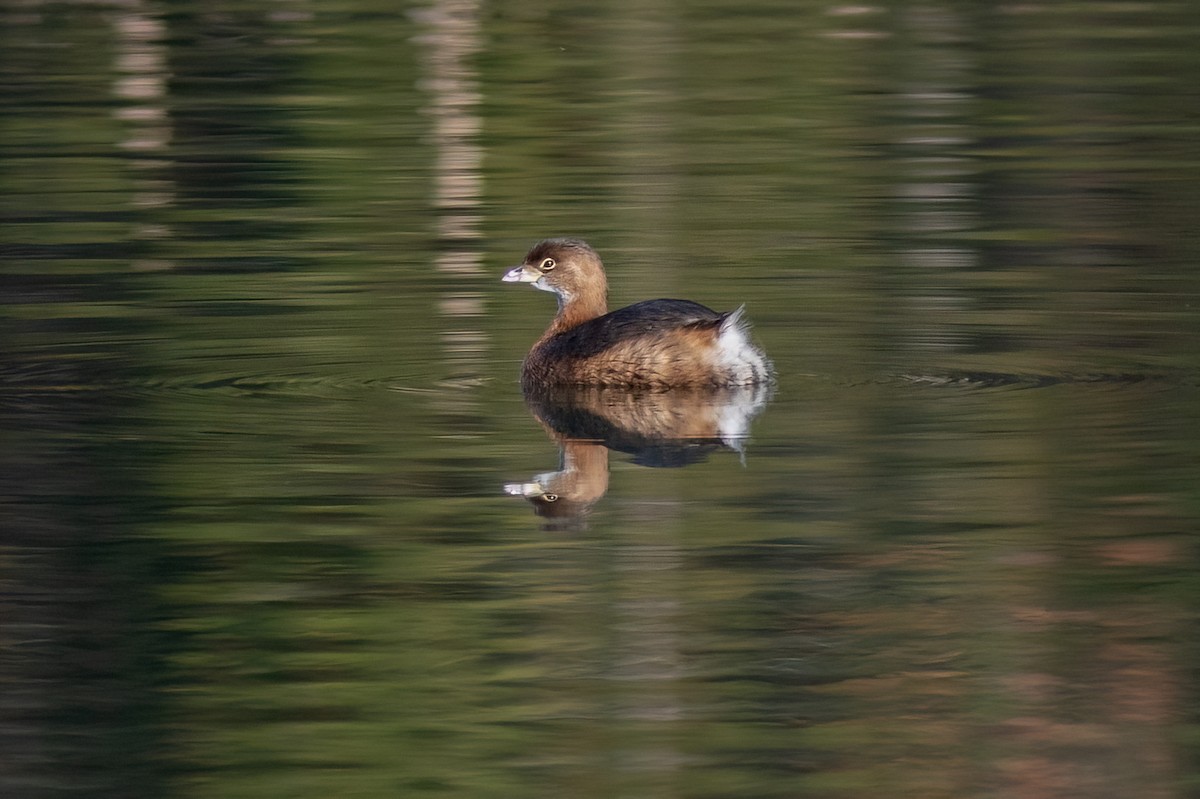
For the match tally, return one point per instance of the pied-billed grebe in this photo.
(651, 344)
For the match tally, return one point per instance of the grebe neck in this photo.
(574, 310)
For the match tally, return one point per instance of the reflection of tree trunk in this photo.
(937, 209)
(142, 63)
(452, 36)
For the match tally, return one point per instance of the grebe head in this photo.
(567, 267)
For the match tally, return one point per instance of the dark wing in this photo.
(639, 319)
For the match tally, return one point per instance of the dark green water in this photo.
(259, 400)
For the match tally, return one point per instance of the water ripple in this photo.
(980, 380)
(48, 380)
(1027, 380)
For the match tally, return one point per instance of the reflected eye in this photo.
(550, 497)
(548, 264)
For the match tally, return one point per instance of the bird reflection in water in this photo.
(659, 429)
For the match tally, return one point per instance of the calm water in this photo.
(262, 532)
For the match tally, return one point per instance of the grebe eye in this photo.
(547, 265)
(550, 497)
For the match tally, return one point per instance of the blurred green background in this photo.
(259, 400)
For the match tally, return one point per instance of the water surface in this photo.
(260, 401)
